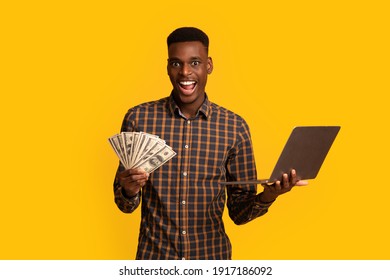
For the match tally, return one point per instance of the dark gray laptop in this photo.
(305, 151)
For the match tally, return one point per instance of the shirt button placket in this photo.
(183, 202)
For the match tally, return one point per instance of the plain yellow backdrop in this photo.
(71, 69)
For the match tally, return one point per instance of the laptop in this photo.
(305, 151)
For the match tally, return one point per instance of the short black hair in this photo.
(188, 34)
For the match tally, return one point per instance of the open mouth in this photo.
(187, 87)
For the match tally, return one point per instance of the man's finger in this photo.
(278, 186)
(132, 172)
(137, 171)
(286, 182)
(302, 183)
(293, 177)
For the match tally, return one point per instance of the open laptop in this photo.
(305, 151)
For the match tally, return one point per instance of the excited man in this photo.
(182, 201)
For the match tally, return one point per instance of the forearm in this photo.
(125, 202)
(244, 210)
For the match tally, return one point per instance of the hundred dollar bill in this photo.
(157, 147)
(137, 142)
(128, 144)
(147, 143)
(158, 159)
(141, 150)
(117, 145)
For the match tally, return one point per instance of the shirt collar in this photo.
(205, 108)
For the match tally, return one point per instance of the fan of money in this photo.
(141, 150)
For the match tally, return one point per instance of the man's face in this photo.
(188, 67)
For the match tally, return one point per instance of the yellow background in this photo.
(71, 69)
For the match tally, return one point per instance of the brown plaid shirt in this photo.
(182, 203)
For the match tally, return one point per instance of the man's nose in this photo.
(186, 69)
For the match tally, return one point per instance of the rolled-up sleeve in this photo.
(243, 202)
(126, 204)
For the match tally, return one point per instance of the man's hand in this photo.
(132, 180)
(271, 192)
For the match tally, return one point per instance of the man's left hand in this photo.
(271, 192)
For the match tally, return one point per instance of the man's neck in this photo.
(190, 110)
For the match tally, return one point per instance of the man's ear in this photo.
(209, 65)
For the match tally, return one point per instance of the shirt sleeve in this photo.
(124, 203)
(243, 202)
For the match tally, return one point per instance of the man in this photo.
(182, 201)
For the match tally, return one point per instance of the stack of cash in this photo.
(141, 150)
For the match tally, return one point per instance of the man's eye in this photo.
(195, 63)
(175, 64)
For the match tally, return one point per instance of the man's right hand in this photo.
(132, 180)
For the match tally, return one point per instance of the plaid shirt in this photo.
(182, 202)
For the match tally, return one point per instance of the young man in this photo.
(182, 202)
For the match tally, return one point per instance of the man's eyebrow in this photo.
(196, 58)
(173, 59)
(178, 59)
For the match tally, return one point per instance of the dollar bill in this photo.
(140, 139)
(157, 160)
(117, 144)
(152, 151)
(128, 144)
(141, 150)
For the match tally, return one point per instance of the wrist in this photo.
(127, 194)
(267, 197)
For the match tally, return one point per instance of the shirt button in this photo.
(184, 232)
(186, 146)
(188, 122)
(183, 259)
(184, 173)
(183, 202)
